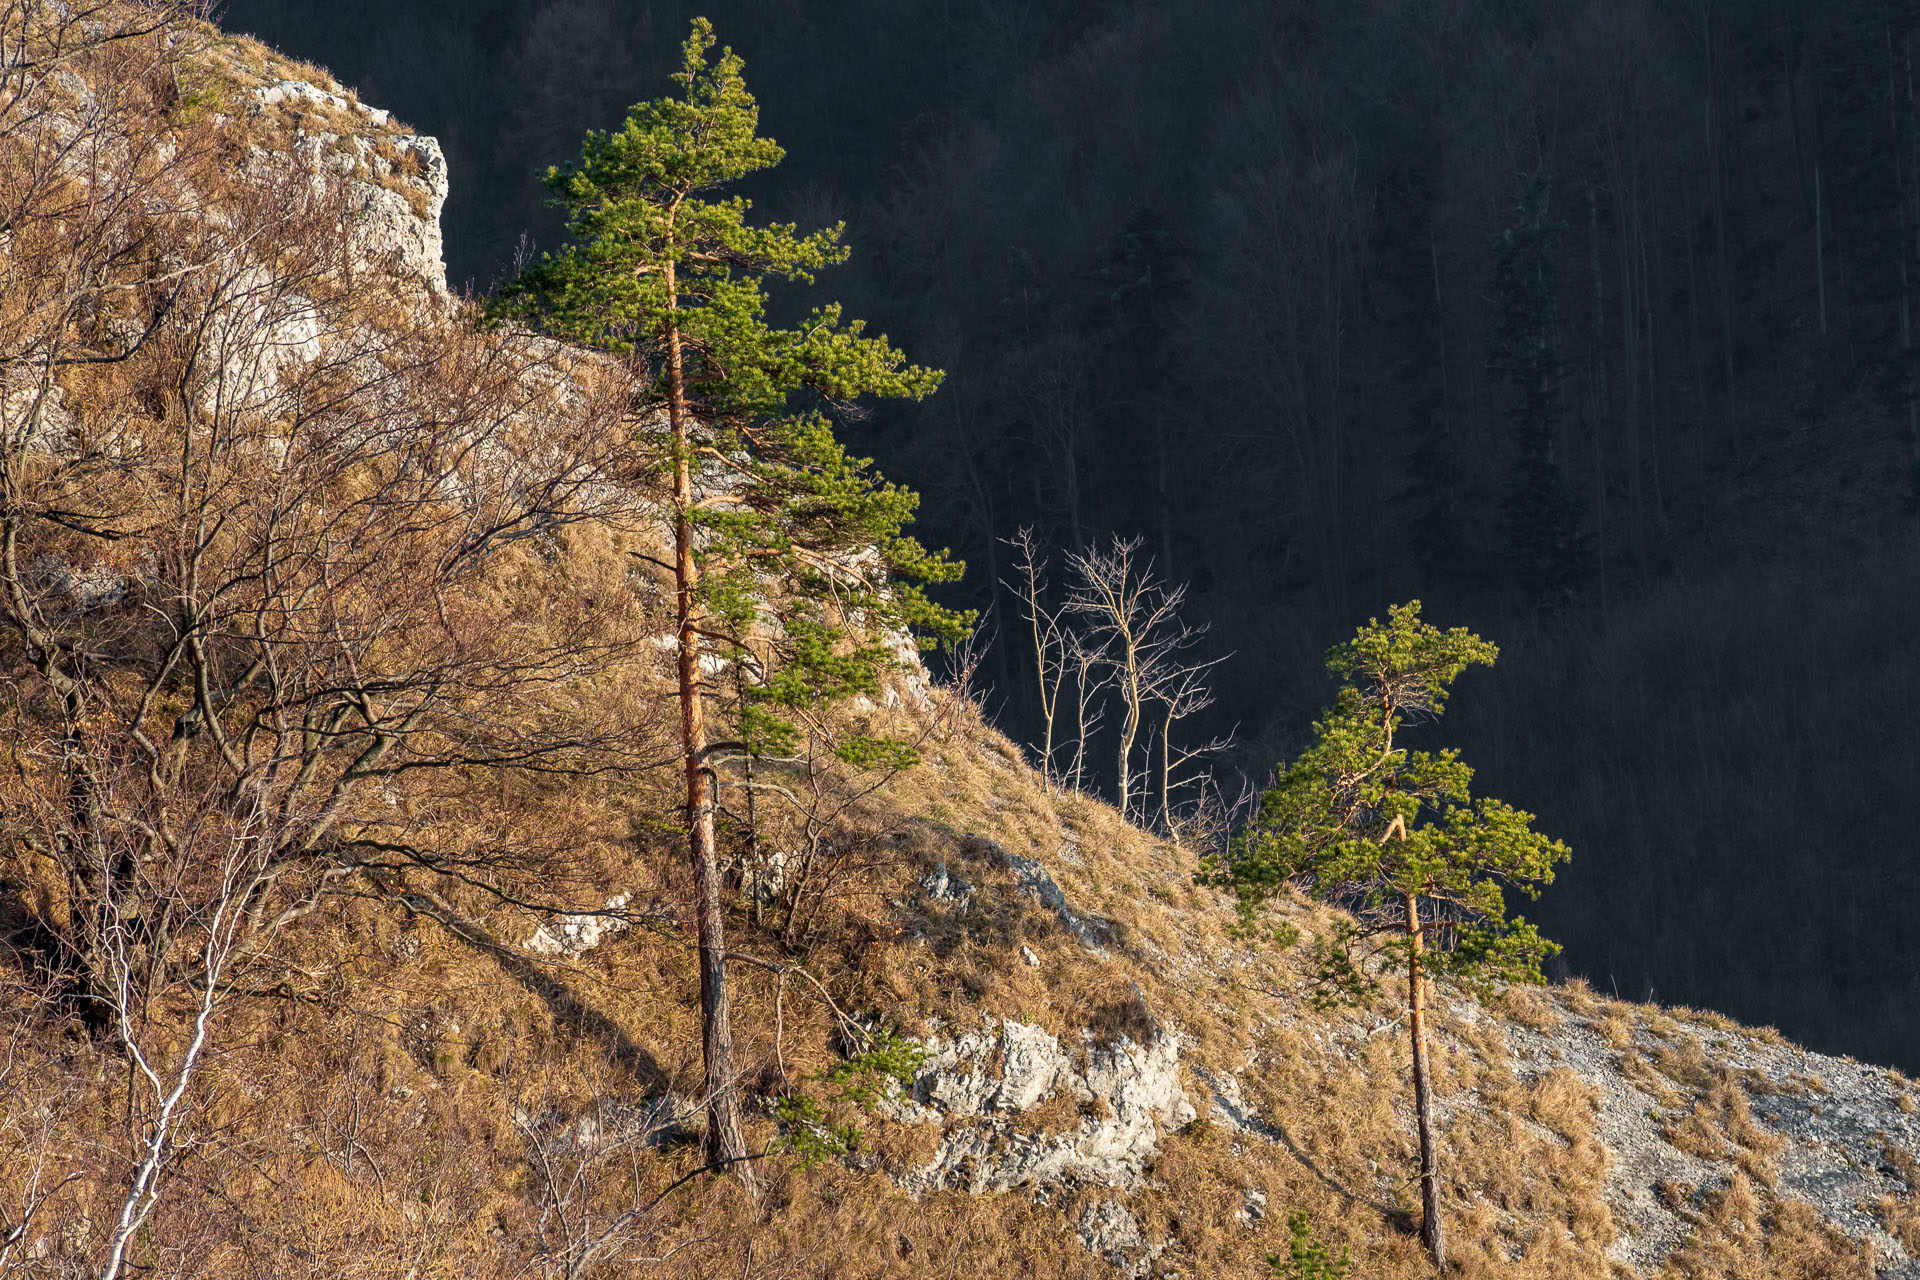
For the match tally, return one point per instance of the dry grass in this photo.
(1719, 1126)
(1564, 1103)
(1578, 996)
(1531, 1007)
(1651, 1081)
(1615, 1028)
(1685, 1062)
(1900, 1214)
(1737, 1235)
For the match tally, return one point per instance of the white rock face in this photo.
(1109, 1230)
(1038, 883)
(942, 886)
(572, 935)
(35, 413)
(385, 226)
(985, 1080)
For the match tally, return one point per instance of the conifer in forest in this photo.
(1547, 550)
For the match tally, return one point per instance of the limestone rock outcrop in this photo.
(1110, 1104)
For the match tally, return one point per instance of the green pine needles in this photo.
(789, 559)
(1364, 822)
(1396, 837)
(1308, 1257)
(664, 271)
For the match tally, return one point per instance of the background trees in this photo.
(1732, 186)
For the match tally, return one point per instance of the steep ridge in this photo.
(477, 1072)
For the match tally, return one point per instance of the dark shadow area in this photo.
(1588, 324)
(1402, 1220)
(567, 1008)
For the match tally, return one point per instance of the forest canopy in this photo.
(1590, 321)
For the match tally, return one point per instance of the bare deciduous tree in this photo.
(1091, 678)
(1052, 643)
(280, 565)
(595, 1203)
(1132, 620)
(1181, 691)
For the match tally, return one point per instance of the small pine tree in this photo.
(1308, 1258)
(779, 535)
(1396, 837)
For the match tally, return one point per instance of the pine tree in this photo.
(1870, 132)
(780, 538)
(1396, 837)
(1547, 549)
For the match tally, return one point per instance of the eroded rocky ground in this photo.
(1685, 1104)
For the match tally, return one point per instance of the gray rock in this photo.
(572, 935)
(386, 229)
(1832, 1154)
(610, 1126)
(1109, 1230)
(979, 1084)
(1231, 1110)
(1037, 882)
(941, 886)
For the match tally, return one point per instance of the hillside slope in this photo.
(459, 1034)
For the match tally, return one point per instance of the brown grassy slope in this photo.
(399, 1087)
(374, 1108)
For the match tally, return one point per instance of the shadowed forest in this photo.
(1590, 323)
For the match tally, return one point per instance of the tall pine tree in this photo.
(779, 536)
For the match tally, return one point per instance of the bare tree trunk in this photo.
(1726, 273)
(1049, 646)
(1440, 332)
(170, 1099)
(755, 873)
(1659, 388)
(1083, 670)
(1432, 1231)
(1166, 772)
(1600, 386)
(1820, 245)
(1908, 182)
(1132, 695)
(1698, 344)
(724, 1139)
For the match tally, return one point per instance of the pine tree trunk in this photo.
(757, 882)
(724, 1141)
(1432, 1232)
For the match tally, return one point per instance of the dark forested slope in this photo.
(1589, 322)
